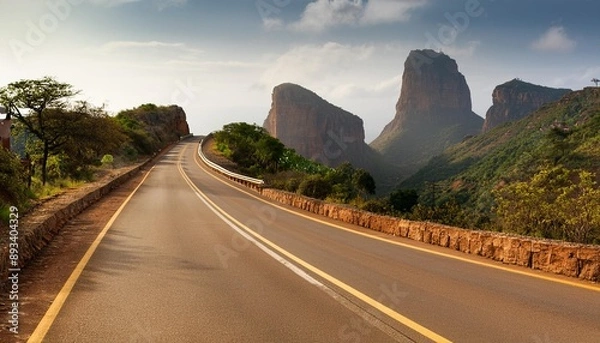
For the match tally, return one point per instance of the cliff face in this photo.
(315, 128)
(166, 123)
(516, 99)
(432, 113)
(325, 133)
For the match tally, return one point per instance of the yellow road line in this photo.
(591, 287)
(44, 325)
(349, 289)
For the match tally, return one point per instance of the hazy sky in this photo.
(220, 59)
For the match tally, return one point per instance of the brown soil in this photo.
(214, 155)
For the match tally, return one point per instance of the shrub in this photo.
(315, 186)
(13, 187)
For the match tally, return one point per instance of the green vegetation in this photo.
(260, 155)
(537, 176)
(13, 186)
(45, 99)
(61, 143)
(555, 203)
(470, 184)
(148, 128)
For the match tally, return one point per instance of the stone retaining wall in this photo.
(574, 260)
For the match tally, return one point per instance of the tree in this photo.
(404, 200)
(525, 207)
(269, 151)
(84, 134)
(39, 97)
(579, 206)
(558, 137)
(315, 186)
(363, 182)
(556, 203)
(595, 81)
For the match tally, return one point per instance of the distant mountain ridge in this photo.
(515, 151)
(516, 99)
(433, 112)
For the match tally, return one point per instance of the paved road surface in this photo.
(193, 259)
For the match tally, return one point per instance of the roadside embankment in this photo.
(37, 228)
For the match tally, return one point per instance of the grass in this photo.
(53, 188)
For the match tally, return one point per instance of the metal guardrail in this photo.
(233, 176)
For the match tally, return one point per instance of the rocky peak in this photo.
(516, 99)
(313, 127)
(431, 87)
(432, 113)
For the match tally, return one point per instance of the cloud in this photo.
(320, 15)
(273, 23)
(554, 40)
(119, 46)
(461, 51)
(388, 11)
(307, 63)
(349, 90)
(111, 3)
(161, 4)
(212, 65)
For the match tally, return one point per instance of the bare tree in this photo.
(595, 81)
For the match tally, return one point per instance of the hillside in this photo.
(566, 132)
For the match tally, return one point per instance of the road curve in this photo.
(193, 258)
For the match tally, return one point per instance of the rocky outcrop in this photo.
(316, 129)
(432, 113)
(323, 132)
(166, 123)
(516, 99)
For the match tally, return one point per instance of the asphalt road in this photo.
(192, 258)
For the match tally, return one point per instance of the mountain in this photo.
(516, 99)
(322, 132)
(469, 171)
(432, 113)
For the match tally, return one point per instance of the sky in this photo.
(220, 59)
